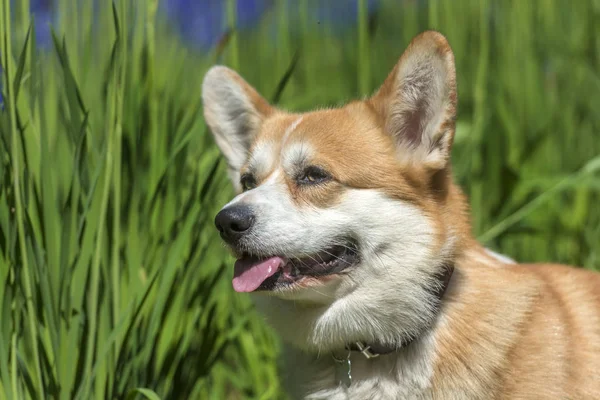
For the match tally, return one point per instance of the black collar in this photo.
(373, 350)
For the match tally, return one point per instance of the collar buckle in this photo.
(366, 350)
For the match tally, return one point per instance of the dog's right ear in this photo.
(234, 112)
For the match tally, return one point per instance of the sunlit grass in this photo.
(111, 275)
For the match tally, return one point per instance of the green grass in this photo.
(112, 278)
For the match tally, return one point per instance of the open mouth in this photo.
(253, 273)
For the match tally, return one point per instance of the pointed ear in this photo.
(418, 101)
(234, 112)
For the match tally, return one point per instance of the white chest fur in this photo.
(403, 375)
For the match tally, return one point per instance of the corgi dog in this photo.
(357, 248)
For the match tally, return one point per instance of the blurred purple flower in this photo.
(43, 20)
(203, 22)
(42, 13)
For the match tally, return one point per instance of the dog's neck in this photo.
(438, 289)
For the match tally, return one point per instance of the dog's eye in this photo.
(248, 182)
(313, 175)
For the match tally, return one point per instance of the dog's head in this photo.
(349, 212)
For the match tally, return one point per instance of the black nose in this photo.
(234, 221)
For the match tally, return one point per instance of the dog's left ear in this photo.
(234, 112)
(418, 101)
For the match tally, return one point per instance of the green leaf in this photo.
(147, 393)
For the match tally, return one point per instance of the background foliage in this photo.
(113, 282)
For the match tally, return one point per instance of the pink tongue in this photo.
(250, 273)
